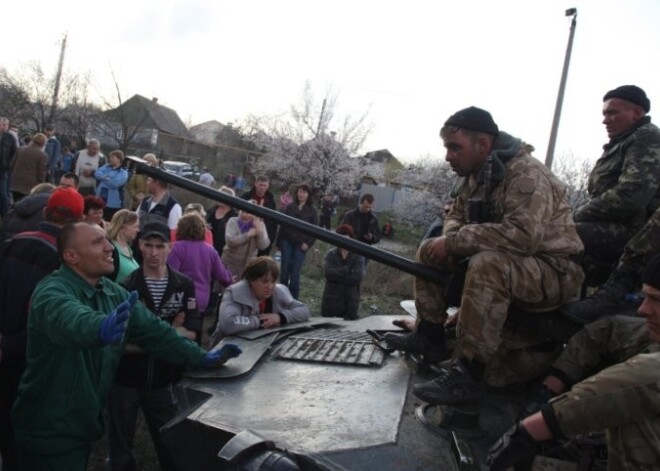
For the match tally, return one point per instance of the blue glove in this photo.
(113, 327)
(219, 357)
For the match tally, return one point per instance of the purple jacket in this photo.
(201, 262)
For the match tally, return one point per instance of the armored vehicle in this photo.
(328, 394)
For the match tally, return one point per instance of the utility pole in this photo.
(58, 78)
(318, 128)
(562, 87)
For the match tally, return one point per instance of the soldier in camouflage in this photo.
(512, 220)
(623, 399)
(624, 185)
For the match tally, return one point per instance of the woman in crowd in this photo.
(93, 212)
(197, 209)
(258, 301)
(287, 197)
(294, 244)
(111, 177)
(193, 257)
(217, 217)
(122, 232)
(343, 272)
(244, 236)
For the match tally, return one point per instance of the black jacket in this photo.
(308, 214)
(26, 215)
(341, 295)
(145, 371)
(24, 261)
(353, 219)
(7, 151)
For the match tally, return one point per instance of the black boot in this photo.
(609, 299)
(461, 384)
(429, 340)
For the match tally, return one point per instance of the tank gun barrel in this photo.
(395, 261)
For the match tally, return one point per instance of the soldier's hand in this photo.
(437, 249)
(515, 448)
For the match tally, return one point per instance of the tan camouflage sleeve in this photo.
(526, 207)
(625, 393)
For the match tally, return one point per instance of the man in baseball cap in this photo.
(25, 260)
(65, 204)
(170, 295)
(624, 187)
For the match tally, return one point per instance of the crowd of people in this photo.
(87, 237)
(508, 240)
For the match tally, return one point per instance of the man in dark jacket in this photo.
(7, 151)
(143, 381)
(54, 152)
(363, 221)
(27, 214)
(263, 197)
(24, 261)
(624, 185)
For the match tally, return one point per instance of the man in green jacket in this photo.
(78, 325)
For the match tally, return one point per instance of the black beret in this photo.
(651, 274)
(474, 119)
(630, 93)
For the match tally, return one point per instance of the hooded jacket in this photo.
(239, 310)
(26, 215)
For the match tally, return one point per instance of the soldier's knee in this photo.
(488, 259)
(424, 253)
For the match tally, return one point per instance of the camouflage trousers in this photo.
(644, 243)
(493, 282)
(624, 400)
(600, 344)
(604, 243)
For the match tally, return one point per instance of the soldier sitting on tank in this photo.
(623, 399)
(258, 301)
(624, 187)
(512, 220)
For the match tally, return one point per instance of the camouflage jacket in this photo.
(624, 185)
(624, 400)
(531, 216)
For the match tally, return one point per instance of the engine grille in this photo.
(332, 346)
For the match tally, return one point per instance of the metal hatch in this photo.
(332, 346)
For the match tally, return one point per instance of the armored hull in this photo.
(337, 411)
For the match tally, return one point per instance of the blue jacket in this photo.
(54, 151)
(110, 181)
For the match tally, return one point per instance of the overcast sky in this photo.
(414, 63)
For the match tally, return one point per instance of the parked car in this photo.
(182, 169)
